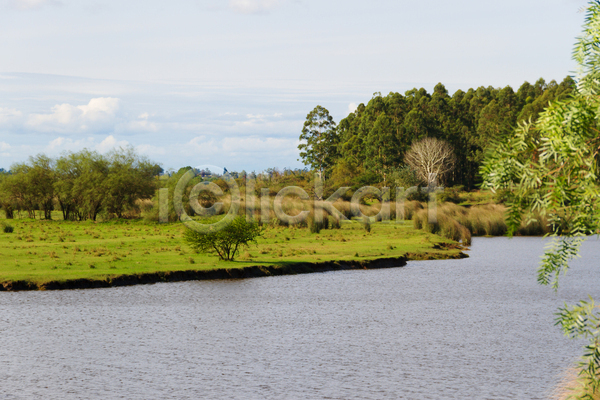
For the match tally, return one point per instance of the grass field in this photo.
(40, 251)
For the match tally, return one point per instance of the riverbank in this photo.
(47, 255)
(255, 271)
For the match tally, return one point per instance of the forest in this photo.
(368, 146)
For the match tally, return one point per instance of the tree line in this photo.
(369, 145)
(81, 184)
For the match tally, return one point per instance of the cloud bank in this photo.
(99, 114)
(28, 4)
(253, 6)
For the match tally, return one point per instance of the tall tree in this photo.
(130, 178)
(318, 147)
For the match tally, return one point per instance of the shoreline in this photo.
(255, 271)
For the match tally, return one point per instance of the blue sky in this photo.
(229, 82)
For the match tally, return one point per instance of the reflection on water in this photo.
(473, 328)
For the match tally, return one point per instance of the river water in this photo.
(477, 328)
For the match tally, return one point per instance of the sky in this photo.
(230, 82)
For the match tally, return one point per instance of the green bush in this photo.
(450, 195)
(227, 242)
(7, 228)
(419, 195)
(334, 223)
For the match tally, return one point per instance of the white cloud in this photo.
(9, 114)
(60, 144)
(141, 124)
(352, 107)
(4, 146)
(29, 4)
(253, 6)
(110, 143)
(99, 114)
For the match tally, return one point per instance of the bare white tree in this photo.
(431, 159)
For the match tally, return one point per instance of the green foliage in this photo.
(375, 138)
(7, 228)
(451, 195)
(83, 184)
(227, 242)
(550, 167)
(404, 177)
(318, 140)
(583, 321)
(29, 187)
(419, 195)
(130, 178)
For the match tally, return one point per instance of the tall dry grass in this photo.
(571, 386)
(445, 225)
(484, 220)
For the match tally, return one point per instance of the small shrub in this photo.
(366, 221)
(227, 242)
(7, 228)
(450, 195)
(314, 226)
(325, 222)
(191, 260)
(419, 195)
(334, 223)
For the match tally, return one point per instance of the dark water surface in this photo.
(476, 328)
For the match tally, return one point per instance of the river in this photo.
(477, 328)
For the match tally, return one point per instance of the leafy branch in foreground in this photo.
(583, 321)
(226, 242)
(550, 166)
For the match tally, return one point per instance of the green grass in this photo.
(41, 251)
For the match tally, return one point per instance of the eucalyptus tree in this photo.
(318, 147)
(550, 166)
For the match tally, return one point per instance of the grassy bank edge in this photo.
(235, 272)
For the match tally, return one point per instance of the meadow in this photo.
(41, 251)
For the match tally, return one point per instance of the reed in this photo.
(445, 225)
(573, 386)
